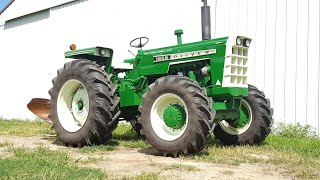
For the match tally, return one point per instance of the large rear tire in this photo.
(176, 116)
(84, 106)
(254, 124)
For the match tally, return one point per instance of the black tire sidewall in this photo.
(190, 130)
(64, 135)
(254, 127)
(253, 134)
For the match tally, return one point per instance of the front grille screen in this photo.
(236, 67)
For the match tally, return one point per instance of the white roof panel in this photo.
(20, 7)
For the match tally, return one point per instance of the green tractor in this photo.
(175, 96)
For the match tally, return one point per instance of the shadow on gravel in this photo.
(150, 151)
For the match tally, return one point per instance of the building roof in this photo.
(6, 6)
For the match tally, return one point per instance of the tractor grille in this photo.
(236, 67)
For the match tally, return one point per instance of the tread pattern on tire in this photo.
(105, 102)
(204, 120)
(252, 136)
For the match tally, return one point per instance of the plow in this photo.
(41, 108)
(176, 96)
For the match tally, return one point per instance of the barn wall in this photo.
(285, 51)
(32, 46)
(285, 48)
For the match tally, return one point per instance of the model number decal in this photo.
(170, 57)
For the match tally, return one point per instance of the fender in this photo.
(100, 55)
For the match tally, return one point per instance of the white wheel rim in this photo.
(71, 116)
(237, 131)
(156, 117)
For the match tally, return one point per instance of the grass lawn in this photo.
(44, 164)
(299, 157)
(24, 128)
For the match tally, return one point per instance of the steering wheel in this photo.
(140, 44)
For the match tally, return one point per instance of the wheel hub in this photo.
(174, 116)
(244, 118)
(80, 104)
(241, 125)
(169, 116)
(73, 105)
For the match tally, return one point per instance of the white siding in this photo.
(285, 49)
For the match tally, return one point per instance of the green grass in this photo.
(44, 164)
(5, 144)
(306, 147)
(127, 138)
(147, 176)
(89, 160)
(298, 155)
(25, 128)
(121, 137)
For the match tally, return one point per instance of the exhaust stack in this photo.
(205, 20)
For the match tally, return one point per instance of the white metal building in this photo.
(285, 59)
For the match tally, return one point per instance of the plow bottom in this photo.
(41, 108)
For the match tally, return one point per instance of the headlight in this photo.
(103, 52)
(238, 41)
(246, 43)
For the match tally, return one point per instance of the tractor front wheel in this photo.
(84, 107)
(176, 116)
(254, 124)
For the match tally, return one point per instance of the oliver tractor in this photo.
(175, 96)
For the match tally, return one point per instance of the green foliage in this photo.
(43, 163)
(294, 130)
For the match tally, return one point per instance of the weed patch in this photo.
(294, 130)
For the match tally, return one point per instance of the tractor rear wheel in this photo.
(84, 106)
(254, 124)
(176, 116)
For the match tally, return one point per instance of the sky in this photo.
(3, 3)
